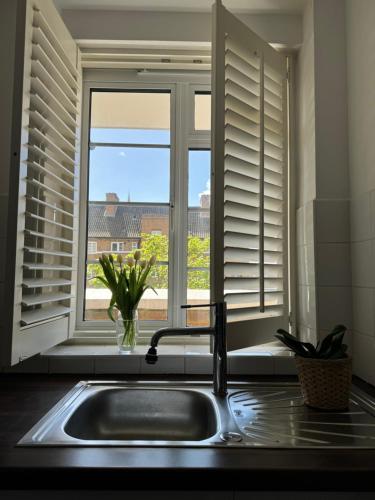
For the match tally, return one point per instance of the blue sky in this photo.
(141, 172)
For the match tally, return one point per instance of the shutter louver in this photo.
(50, 180)
(253, 171)
(250, 270)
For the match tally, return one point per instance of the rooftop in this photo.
(124, 220)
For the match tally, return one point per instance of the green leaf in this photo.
(110, 309)
(327, 341)
(294, 345)
(335, 347)
(309, 347)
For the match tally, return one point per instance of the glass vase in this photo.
(127, 332)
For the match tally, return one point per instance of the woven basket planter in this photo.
(325, 383)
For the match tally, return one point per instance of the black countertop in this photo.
(25, 398)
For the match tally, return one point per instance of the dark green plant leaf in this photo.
(294, 345)
(309, 347)
(327, 341)
(335, 346)
(331, 347)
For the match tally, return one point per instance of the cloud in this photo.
(208, 188)
(122, 153)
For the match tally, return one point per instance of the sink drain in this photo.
(231, 437)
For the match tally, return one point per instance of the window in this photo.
(137, 137)
(117, 246)
(144, 181)
(92, 247)
(149, 188)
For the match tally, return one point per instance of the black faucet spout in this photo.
(219, 340)
(151, 356)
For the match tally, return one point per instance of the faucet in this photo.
(218, 332)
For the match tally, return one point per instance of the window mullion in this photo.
(180, 202)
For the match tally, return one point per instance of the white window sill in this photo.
(92, 360)
(173, 359)
(163, 350)
(99, 350)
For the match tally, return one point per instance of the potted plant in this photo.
(324, 370)
(127, 280)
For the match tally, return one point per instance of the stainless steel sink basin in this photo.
(189, 415)
(144, 414)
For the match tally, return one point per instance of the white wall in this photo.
(360, 16)
(174, 26)
(323, 248)
(306, 179)
(332, 247)
(305, 107)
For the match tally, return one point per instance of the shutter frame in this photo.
(43, 204)
(249, 175)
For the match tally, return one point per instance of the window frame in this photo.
(96, 247)
(183, 138)
(119, 244)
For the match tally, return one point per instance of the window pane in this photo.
(91, 247)
(154, 306)
(133, 174)
(120, 229)
(198, 251)
(129, 193)
(130, 117)
(198, 293)
(202, 114)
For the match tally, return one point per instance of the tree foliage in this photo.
(151, 244)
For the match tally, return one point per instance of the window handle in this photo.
(190, 306)
(171, 216)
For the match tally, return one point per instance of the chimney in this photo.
(205, 200)
(110, 210)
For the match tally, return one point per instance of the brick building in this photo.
(118, 227)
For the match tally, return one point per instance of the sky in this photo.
(142, 173)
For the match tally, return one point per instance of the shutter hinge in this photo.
(290, 319)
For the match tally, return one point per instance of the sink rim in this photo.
(44, 432)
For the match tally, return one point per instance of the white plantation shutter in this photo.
(50, 182)
(47, 195)
(249, 244)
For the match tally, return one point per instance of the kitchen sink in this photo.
(103, 413)
(144, 414)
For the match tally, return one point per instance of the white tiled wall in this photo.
(361, 91)
(333, 264)
(363, 280)
(323, 235)
(324, 267)
(306, 275)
